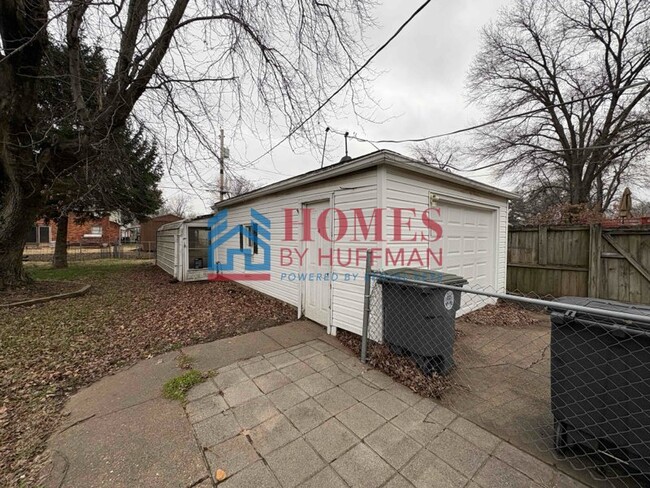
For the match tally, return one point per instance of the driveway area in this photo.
(288, 406)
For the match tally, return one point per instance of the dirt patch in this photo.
(51, 350)
(400, 368)
(37, 290)
(503, 314)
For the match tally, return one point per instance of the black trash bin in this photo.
(419, 319)
(600, 381)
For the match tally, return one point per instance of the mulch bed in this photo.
(503, 314)
(401, 368)
(37, 289)
(51, 350)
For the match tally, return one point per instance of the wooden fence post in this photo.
(595, 251)
(542, 245)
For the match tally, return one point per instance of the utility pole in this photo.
(222, 164)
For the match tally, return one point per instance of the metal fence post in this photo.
(366, 308)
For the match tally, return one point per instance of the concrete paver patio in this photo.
(312, 415)
(288, 406)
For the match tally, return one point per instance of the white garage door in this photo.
(468, 248)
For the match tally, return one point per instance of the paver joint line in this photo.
(198, 482)
(314, 415)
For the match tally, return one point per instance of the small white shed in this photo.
(182, 249)
(304, 240)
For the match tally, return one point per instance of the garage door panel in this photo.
(482, 270)
(453, 245)
(455, 217)
(469, 270)
(469, 246)
(469, 219)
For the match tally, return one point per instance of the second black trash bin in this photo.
(600, 381)
(419, 320)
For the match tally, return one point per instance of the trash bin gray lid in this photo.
(428, 275)
(600, 304)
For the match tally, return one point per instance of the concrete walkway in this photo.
(288, 406)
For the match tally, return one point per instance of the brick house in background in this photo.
(92, 232)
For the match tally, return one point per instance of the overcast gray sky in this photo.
(420, 86)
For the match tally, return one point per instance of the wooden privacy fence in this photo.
(586, 261)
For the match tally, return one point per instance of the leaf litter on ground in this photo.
(51, 350)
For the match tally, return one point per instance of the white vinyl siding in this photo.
(272, 207)
(347, 296)
(166, 249)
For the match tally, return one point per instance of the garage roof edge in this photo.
(376, 158)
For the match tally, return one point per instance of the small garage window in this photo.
(198, 241)
(248, 237)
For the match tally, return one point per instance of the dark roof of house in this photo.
(164, 217)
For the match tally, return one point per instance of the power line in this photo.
(494, 121)
(363, 66)
(497, 163)
(464, 170)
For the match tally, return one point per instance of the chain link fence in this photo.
(566, 380)
(86, 253)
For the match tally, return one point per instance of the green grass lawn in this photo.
(97, 269)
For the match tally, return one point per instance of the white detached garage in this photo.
(304, 240)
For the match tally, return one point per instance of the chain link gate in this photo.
(566, 380)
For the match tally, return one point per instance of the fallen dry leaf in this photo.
(220, 475)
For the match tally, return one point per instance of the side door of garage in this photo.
(317, 292)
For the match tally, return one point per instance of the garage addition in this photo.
(323, 223)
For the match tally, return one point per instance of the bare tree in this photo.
(539, 56)
(641, 208)
(235, 185)
(537, 198)
(184, 66)
(238, 185)
(441, 153)
(177, 205)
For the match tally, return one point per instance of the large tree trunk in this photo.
(17, 215)
(578, 187)
(61, 246)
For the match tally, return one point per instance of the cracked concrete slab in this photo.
(127, 388)
(121, 432)
(146, 445)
